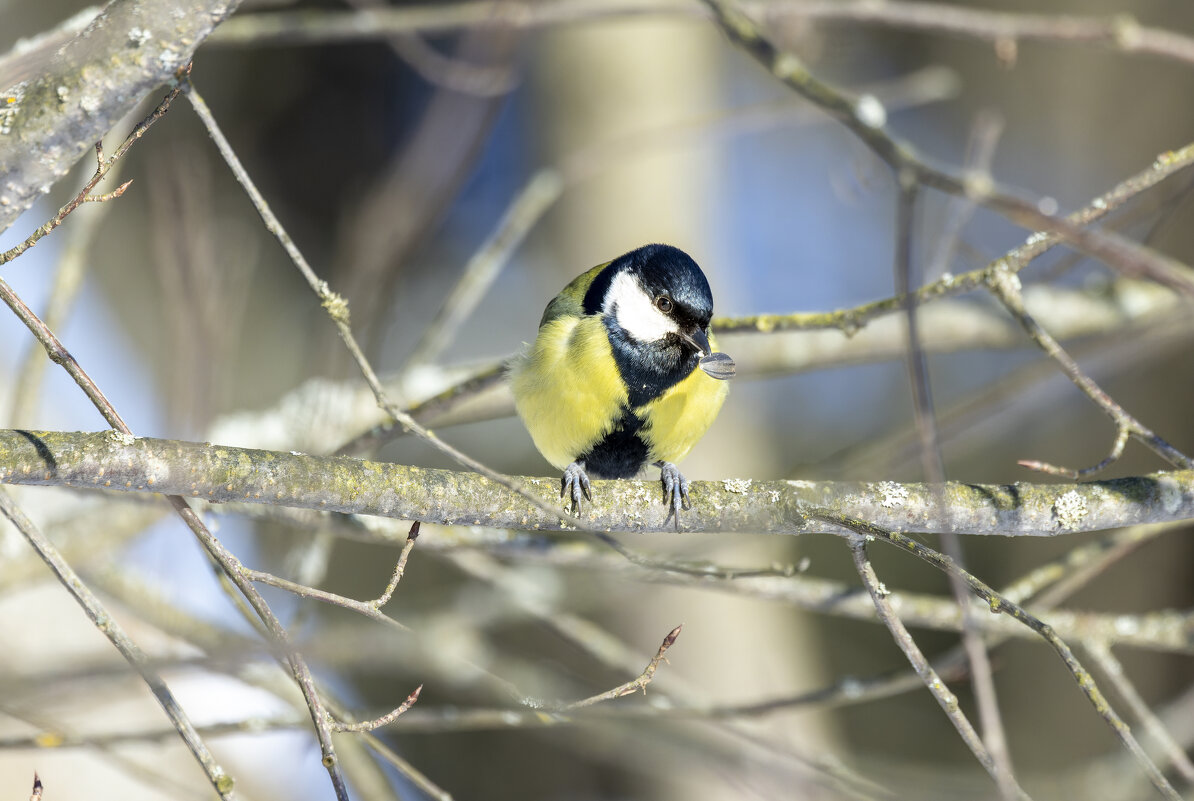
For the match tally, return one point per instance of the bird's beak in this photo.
(699, 341)
(715, 365)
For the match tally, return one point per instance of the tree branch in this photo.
(98, 614)
(1120, 32)
(48, 122)
(945, 698)
(1001, 605)
(866, 118)
(218, 474)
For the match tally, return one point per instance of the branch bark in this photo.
(218, 474)
(49, 121)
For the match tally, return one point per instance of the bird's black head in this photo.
(652, 292)
(656, 305)
(675, 284)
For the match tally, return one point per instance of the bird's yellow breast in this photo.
(567, 388)
(681, 415)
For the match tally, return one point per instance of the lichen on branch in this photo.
(220, 474)
(53, 118)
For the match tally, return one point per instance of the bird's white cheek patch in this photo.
(635, 312)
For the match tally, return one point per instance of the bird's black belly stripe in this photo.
(622, 454)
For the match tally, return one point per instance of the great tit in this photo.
(623, 373)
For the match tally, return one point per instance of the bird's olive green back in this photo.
(570, 302)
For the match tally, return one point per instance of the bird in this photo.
(623, 373)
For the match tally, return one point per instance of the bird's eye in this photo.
(664, 303)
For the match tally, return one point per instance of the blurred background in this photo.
(392, 161)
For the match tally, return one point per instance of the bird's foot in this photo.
(574, 483)
(675, 491)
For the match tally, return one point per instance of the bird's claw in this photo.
(575, 483)
(675, 492)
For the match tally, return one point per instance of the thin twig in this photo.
(1117, 450)
(68, 278)
(945, 698)
(483, 268)
(1114, 671)
(866, 118)
(102, 169)
(908, 280)
(400, 568)
(1119, 32)
(227, 561)
(115, 193)
(417, 777)
(1005, 285)
(365, 608)
(99, 616)
(384, 720)
(1002, 605)
(337, 309)
(370, 609)
(636, 684)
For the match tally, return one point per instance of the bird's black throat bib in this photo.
(647, 369)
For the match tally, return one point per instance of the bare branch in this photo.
(115, 633)
(370, 609)
(1162, 630)
(230, 565)
(218, 474)
(102, 169)
(636, 684)
(1114, 671)
(1120, 32)
(337, 309)
(384, 720)
(866, 119)
(1000, 604)
(946, 699)
(1006, 286)
(49, 121)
